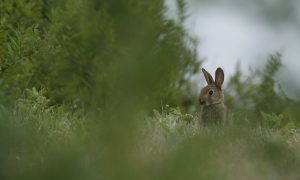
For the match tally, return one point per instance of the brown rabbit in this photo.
(212, 99)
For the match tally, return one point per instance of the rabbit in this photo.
(212, 99)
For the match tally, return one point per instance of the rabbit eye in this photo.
(211, 92)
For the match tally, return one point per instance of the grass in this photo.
(40, 141)
(230, 152)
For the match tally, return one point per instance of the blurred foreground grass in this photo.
(50, 144)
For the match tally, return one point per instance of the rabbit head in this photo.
(212, 93)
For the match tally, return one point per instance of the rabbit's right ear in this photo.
(219, 77)
(208, 77)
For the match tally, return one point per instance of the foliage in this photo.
(83, 49)
(22, 27)
(260, 92)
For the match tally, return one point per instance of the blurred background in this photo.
(231, 31)
(108, 89)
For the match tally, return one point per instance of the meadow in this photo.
(101, 90)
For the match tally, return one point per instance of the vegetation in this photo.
(100, 90)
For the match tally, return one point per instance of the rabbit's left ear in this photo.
(208, 77)
(219, 79)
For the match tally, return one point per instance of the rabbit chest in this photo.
(213, 114)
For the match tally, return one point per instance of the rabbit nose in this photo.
(201, 101)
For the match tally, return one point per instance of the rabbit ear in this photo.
(219, 77)
(208, 77)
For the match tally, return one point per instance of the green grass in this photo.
(46, 142)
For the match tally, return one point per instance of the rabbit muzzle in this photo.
(201, 101)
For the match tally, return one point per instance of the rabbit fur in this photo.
(212, 99)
